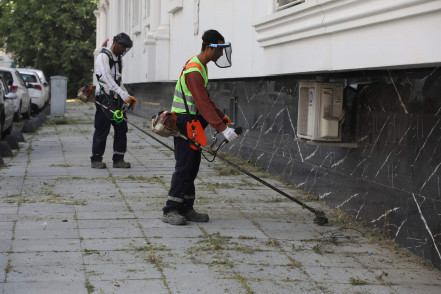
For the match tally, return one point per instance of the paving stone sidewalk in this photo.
(67, 228)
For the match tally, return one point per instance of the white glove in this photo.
(229, 134)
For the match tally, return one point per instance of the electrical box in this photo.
(320, 111)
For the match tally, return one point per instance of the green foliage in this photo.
(55, 36)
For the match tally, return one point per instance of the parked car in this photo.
(37, 91)
(22, 105)
(45, 81)
(6, 109)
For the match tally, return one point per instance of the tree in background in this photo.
(57, 37)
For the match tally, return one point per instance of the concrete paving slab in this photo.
(44, 224)
(121, 272)
(106, 223)
(44, 209)
(43, 273)
(104, 214)
(45, 287)
(42, 245)
(109, 257)
(6, 230)
(5, 246)
(187, 231)
(26, 234)
(128, 232)
(48, 258)
(416, 288)
(189, 278)
(130, 286)
(114, 244)
(4, 258)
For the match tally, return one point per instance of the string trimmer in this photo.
(320, 217)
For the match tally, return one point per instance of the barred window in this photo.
(282, 4)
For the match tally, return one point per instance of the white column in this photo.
(155, 11)
(114, 19)
(104, 7)
(163, 44)
(98, 28)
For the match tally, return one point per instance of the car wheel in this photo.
(17, 115)
(28, 113)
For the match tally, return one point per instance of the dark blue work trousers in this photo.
(182, 191)
(103, 121)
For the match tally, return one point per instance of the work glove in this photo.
(229, 134)
(226, 120)
(130, 99)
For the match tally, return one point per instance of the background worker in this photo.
(192, 86)
(111, 92)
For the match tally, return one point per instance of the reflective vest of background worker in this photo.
(192, 83)
(110, 91)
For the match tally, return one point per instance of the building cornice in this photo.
(322, 17)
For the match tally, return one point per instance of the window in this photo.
(136, 16)
(147, 9)
(29, 78)
(7, 76)
(282, 4)
(20, 79)
(125, 16)
(135, 10)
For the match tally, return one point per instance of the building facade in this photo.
(385, 171)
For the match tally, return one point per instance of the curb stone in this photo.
(18, 135)
(12, 141)
(5, 149)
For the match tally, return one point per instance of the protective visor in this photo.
(223, 52)
(125, 51)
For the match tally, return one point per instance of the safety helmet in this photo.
(123, 39)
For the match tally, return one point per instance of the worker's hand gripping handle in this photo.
(131, 103)
(230, 134)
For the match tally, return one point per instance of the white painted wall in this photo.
(315, 36)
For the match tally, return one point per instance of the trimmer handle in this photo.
(131, 104)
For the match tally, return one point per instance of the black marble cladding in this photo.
(390, 182)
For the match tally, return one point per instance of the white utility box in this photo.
(320, 111)
(58, 95)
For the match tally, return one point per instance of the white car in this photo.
(45, 82)
(6, 109)
(37, 91)
(22, 105)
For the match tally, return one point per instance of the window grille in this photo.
(283, 4)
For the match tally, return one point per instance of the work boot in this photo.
(121, 164)
(98, 164)
(194, 216)
(174, 218)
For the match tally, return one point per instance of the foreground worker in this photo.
(191, 102)
(111, 92)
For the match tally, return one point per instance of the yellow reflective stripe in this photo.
(180, 100)
(180, 110)
(179, 107)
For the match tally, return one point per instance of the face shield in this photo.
(222, 54)
(121, 50)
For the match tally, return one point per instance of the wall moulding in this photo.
(175, 5)
(321, 17)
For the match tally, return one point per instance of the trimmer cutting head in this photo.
(320, 218)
